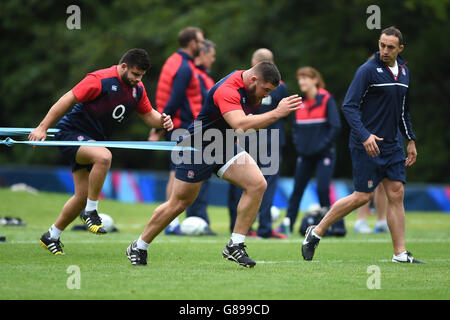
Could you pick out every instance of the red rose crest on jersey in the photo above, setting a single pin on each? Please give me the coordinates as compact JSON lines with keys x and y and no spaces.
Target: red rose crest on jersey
{"x":190,"y":174}
{"x":134,"y":92}
{"x":80,"y":138}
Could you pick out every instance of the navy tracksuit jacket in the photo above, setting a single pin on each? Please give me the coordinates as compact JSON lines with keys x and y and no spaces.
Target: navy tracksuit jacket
{"x":377,"y":102}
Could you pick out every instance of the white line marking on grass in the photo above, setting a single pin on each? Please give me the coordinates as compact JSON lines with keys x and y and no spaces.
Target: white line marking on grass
{"x":299,"y":241}
{"x":202,"y":240}
{"x":281,"y":261}
{"x":385,"y":241}
{"x":131,"y":226}
{"x":338,"y":261}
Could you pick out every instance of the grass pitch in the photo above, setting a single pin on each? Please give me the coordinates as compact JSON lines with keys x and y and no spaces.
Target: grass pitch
{"x":191,"y":268}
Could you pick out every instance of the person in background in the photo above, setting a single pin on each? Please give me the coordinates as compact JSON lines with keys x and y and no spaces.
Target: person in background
{"x":380,"y":204}
{"x":269,"y":103}
{"x":315,"y":129}
{"x":179,"y":95}
{"x":376,"y":108}
{"x":203,"y":64}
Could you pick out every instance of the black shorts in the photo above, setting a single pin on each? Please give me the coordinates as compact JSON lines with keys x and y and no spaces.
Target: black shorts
{"x":196,"y":171}
{"x":70,"y":152}
{"x":369,"y":171}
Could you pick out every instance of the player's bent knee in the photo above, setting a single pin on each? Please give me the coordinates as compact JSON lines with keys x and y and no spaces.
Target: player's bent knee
{"x":104,"y":159}
{"x":263,"y":185}
{"x":258,"y":187}
{"x":396,"y":195}
{"x":81,"y":196}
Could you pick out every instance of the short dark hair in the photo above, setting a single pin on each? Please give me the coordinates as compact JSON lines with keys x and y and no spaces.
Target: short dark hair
{"x":393,"y":31}
{"x":136,"y":57}
{"x":269,"y":72}
{"x":187,"y":34}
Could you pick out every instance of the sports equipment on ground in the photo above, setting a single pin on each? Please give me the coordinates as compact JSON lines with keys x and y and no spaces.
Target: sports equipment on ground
{"x":316,"y":215}
{"x":194,"y":226}
{"x":107,"y":221}
{"x":275,"y":213}
{"x":93,"y":221}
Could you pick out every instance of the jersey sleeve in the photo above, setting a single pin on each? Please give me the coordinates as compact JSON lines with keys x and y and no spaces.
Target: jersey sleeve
{"x":405,"y":120}
{"x":87,"y":89}
{"x":227,"y":99}
{"x":144,"y":106}
{"x":352,"y":102}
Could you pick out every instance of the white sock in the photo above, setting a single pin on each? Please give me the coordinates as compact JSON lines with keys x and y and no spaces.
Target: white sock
{"x":400,"y":255}
{"x":91,"y":205}
{"x":237,"y":238}
{"x":141,"y":244}
{"x":55,"y":233}
{"x":315,"y":235}
{"x":381,"y":222}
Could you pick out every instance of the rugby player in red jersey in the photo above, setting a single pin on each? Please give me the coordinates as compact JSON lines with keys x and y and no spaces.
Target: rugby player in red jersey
{"x":103,"y":99}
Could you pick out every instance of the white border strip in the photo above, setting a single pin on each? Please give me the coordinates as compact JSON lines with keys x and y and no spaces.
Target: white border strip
{"x":200,"y":239}
{"x":228,"y":164}
{"x":388,"y":84}
{"x":308,"y":121}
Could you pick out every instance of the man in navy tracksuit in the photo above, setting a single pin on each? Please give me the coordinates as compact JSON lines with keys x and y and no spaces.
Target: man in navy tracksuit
{"x":315,"y":129}
{"x":376,"y":106}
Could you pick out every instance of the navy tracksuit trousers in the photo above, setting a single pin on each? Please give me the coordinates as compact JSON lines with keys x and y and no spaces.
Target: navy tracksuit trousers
{"x":323,"y":166}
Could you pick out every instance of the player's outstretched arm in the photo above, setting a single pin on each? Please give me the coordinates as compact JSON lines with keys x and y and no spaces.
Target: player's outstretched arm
{"x":288,"y":105}
{"x":55,"y":112}
{"x":238,"y":120}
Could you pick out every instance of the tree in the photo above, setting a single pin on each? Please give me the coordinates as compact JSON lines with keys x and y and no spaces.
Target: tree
{"x":43,"y":59}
